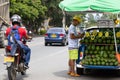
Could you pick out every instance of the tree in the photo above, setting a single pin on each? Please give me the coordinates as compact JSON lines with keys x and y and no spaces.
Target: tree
{"x":53,"y":12}
{"x":29,"y":10}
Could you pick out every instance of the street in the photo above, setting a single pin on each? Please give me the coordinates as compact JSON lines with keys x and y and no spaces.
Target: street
{"x":50,"y":63}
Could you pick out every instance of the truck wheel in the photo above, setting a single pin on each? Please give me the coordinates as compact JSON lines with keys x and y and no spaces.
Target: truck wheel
{"x":80,"y":71}
{"x":87,"y":71}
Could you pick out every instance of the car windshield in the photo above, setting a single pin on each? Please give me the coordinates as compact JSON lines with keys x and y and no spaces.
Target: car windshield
{"x":54,"y":30}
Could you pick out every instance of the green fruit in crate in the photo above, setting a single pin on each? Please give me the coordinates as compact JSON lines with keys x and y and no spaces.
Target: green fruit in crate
{"x":97,"y":48}
{"x":107,"y":64}
{"x":118,"y":34}
{"x":94,"y":60}
{"x":98,"y":59}
{"x":86,"y":41}
{"x":108,"y":41}
{"x":108,"y":52}
{"x":116,"y":63}
{"x":106,"y":48}
{"x":86,"y":52}
{"x":118,"y":41}
{"x":113,"y":52}
{"x":86,"y":57}
{"x":94,"y":32}
{"x":93,"y":47}
{"x":95,"y":41}
{"x":89,"y":56}
{"x":93,"y":56}
{"x":81,"y":41}
{"x":97,"y":55}
{"x":111,"y":47}
{"x":100,"y":34}
{"x":86,"y":63}
{"x":109,"y":60}
{"x":89,"y":60}
{"x":98,"y":63}
{"x":90,"y":52}
{"x":111,"y":64}
{"x":95,"y":52}
{"x":112,"y":37}
{"x":111,"y":33}
{"x":103,"y":37}
{"x":113,"y":42}
{"x":102,"y":63}
{"x":92,"y":37}
{"x":83,"y":61}
{"x":104,"y":41}
{"x":113,"y":60}
{"x":102,"y":59}
{"x":87,"y":34}
{"x":102,"y":48}
{"x":95,"y":63}
{"x":111,"y":56}
{"x":106,"y":60}
{"x":89,"y":47}
{"x":106,"y":34}
{"x":99,"y":40}
{"x":91,"y":63}
{"x":105,"y":55}
{"x":91,"y":41}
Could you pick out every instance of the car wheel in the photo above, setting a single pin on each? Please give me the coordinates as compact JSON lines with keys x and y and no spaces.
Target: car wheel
{"x":51,"y":44}
{"x":64,"y":43}
{"x":45,"y":44}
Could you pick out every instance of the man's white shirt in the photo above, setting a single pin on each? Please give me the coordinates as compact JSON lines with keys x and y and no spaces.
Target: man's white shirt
{"x":73,"y":30}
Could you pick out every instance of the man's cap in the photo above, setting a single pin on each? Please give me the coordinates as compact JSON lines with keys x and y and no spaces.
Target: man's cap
{"x":77,"y":18}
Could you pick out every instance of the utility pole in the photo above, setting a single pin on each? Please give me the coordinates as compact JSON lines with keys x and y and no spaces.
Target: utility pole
{"x":64,"y":19}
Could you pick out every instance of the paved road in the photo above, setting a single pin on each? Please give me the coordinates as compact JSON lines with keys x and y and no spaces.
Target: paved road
{"x":50,"y":63}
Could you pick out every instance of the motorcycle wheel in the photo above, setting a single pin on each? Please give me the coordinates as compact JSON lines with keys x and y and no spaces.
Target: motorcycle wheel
{"x":22,"y":69}
{"x":11,"y":73}
{"x":23,"y":72}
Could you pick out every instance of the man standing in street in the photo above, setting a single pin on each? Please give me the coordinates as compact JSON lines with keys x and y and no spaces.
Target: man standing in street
{"x":73,"y":37}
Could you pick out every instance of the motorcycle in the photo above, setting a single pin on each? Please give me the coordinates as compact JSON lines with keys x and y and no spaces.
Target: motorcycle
{"x":15,"y":64}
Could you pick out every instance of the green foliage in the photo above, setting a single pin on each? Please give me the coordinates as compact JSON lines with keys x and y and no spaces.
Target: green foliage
{"x":42,"y":32}
{"x":33,"y":12}
{"x":53,"y":11}
{"x":27,"y":9}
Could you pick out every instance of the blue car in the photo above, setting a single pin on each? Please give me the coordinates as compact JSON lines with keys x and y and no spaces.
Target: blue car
{"x":56,"y":35}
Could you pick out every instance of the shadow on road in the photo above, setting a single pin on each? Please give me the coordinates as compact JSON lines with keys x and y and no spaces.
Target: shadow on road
{"x":93,"y":75}
{"x":61,"y":73}
{"x":19,"y":77}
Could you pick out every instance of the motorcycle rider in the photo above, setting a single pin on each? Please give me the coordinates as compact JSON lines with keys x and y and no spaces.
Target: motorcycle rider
{"x":16,"y":23}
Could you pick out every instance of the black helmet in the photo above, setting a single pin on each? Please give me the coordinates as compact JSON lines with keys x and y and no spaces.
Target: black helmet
{"x":16,"y":19}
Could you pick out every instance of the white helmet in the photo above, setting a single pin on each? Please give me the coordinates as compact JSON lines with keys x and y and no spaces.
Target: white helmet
{"x":16,"y":19}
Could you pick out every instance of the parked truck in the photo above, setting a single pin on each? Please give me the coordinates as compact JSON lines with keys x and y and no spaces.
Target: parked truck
{"x":4,"y":19}
{"x":99,"y":44}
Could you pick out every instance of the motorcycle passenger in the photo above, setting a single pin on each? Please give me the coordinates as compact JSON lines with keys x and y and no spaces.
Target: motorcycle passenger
{"x":16,"y":26}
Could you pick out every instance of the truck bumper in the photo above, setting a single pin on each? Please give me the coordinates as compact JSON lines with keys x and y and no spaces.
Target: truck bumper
{"x":97,"y":67}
